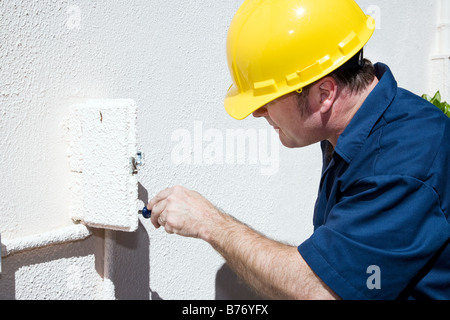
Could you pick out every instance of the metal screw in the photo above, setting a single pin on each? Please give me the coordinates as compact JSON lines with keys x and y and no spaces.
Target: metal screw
{"x":136,"y":162}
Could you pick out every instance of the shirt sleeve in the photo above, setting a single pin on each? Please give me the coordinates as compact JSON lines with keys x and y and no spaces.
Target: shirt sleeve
{"x":383,"y":229}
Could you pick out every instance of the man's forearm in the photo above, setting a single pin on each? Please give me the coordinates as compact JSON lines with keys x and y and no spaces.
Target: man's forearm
{"x":273,"y":269}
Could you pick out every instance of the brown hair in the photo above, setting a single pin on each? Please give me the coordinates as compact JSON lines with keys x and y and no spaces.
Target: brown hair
{"x":355,"y":78}
{"x":356,"y":74}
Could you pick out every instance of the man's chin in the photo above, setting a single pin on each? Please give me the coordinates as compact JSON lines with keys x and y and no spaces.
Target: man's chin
{"x":289,"y":143}
{"x":285,"y":141}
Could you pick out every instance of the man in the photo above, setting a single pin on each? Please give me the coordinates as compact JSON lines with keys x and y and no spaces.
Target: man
{"x":382,"y":215}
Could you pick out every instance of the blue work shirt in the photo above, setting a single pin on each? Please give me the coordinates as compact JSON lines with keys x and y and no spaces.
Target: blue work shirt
{"x":381,"y":220}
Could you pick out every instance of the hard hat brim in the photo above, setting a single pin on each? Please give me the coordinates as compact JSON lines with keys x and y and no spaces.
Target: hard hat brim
{"x":241,"y":105}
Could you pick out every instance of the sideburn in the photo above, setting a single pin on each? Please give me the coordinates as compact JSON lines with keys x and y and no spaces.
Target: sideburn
{"x":303,"y":104}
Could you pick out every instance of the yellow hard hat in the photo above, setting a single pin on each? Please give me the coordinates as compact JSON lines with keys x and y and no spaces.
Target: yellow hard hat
{"x":275,"y":47}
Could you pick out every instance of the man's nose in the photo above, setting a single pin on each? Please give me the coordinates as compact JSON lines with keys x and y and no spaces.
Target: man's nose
{"x":261,"y":112}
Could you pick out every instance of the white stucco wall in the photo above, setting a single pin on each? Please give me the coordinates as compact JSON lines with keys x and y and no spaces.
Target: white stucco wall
{"x":169,"y":57}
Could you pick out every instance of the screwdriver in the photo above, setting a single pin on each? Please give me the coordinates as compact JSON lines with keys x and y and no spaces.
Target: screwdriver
{"x":145,"y":213}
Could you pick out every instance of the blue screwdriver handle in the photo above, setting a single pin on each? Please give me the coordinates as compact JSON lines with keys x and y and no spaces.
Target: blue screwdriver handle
{"x":146,"y":213}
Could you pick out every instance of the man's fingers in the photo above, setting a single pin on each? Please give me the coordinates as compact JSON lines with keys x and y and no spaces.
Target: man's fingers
{"x":159,"y":197}
{"x":157,"y":210}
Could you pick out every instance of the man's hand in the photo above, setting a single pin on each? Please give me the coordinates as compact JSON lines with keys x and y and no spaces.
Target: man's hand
{"x":184,"y":212}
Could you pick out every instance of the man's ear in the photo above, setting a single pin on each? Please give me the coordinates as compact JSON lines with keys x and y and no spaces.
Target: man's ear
{"x":328,"y":89}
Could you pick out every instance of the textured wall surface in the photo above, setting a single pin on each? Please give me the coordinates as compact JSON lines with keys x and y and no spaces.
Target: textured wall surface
{"x":169,"y":57}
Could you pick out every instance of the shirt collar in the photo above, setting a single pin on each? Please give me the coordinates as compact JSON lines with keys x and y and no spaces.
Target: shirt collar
{"x":359,"y":128}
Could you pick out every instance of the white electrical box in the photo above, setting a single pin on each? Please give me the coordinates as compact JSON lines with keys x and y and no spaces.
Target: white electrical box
{"x":102,"y":154}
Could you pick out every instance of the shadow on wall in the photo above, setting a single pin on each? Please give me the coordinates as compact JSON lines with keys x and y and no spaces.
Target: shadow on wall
{"x":230,"y":287}
{"x":131,"y":265}
{"x":142,"y":256}
{"x":131,"y":261}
